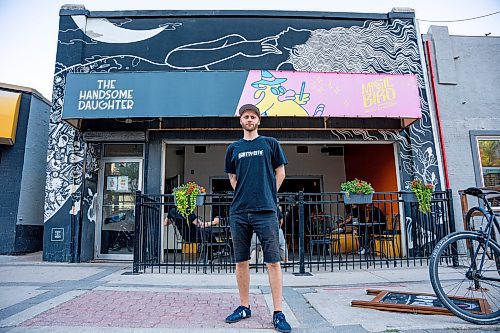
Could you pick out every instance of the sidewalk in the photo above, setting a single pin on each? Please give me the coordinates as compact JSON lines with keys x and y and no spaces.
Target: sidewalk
{"x":95,"y":297}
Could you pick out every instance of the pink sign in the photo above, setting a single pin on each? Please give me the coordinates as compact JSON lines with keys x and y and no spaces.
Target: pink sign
{"x":310,"y":94}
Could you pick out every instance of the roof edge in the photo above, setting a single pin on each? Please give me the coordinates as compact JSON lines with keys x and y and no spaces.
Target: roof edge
{"x":70,"y":9}
{"x":27,"y":90}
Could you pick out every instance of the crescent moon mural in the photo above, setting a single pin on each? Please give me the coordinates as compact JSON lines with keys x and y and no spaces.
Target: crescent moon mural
{"x":102,"y":30}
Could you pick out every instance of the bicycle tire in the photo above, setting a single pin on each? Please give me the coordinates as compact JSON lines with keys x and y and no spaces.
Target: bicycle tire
{"x":450,"y":281}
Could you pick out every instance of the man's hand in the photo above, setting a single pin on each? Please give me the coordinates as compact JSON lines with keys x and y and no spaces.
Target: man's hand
{"x":216,"y":221}
{"x":201,"y":224}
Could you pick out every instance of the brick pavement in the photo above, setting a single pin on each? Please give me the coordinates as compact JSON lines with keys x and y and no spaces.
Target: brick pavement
{"x":148,"y":309}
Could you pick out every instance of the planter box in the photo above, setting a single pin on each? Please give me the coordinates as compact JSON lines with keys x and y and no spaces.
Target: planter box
{"x":355,"y":198}
{"x":408,"y":196}
{"x":200,"y":200}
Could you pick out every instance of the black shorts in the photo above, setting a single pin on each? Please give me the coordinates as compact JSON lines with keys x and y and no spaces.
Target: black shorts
{"x":265,"y":224}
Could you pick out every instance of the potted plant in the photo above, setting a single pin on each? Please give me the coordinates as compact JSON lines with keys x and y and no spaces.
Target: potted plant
{"x":357,"y":191}
{"x":420,"y":192}
{"x":187,"y":197}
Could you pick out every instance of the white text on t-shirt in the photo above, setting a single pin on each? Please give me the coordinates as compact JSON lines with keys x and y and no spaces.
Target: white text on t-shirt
{"x":250,"y":153}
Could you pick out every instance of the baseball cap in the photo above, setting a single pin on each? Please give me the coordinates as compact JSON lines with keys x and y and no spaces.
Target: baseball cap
{"x":249,"y":107}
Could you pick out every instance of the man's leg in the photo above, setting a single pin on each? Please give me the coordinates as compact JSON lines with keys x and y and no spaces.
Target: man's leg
{"x":276,"y":283}
{"x":241,"y":231}
{"x":243,"y":281}
{"x":267,"y":229}
{"x":283,"y":248}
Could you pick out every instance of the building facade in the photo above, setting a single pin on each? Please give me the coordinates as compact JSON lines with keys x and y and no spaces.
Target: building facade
{"x":465,"y":76}
{"x":24,"y":117}
{"x":147,"y":100}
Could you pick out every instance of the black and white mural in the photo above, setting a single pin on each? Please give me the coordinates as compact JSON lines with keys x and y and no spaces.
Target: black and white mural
{"x":227,"y":42}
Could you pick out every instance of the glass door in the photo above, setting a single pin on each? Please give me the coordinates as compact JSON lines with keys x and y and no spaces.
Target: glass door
{"x":120,"y":178}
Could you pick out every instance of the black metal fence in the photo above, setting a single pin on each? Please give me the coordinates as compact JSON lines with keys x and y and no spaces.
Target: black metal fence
{"x":319,"y":231}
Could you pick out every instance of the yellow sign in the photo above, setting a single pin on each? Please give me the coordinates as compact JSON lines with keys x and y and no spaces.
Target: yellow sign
{"x":9,"y":111}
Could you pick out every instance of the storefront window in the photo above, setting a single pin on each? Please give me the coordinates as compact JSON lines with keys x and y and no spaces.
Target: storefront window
{"x":123,"y":150}
{"x":489,"y":155}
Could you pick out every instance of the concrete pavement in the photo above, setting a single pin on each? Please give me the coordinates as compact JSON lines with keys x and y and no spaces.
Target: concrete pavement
{"x":37,"y":296}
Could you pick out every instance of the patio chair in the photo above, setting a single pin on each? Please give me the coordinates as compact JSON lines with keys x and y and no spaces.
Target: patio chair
{"x":216,"y":244}
{"x":319,"y":234}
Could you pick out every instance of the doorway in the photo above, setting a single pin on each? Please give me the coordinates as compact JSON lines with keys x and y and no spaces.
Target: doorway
{"x":119,"y":178}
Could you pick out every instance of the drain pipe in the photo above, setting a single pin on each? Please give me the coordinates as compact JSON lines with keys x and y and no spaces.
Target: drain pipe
{"x":438,"y":115}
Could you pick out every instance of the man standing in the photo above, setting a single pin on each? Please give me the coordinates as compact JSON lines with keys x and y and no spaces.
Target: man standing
{"x":256,"y":168}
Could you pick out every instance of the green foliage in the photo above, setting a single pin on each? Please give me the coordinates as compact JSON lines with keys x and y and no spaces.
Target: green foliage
{"x":489,"y":152}
{"x":423,"y":192}
{"x":357,"y":186}
{"x":185,"y":198}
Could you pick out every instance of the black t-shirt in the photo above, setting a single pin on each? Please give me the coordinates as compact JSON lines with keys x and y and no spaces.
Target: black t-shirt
{"x":377,"y":215}
{"x":187,"y":230}
{"x":357,"y":213}
{"x":253,"y":162}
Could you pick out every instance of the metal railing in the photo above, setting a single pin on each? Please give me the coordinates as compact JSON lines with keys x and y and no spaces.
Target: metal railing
{"x":321,"y":232}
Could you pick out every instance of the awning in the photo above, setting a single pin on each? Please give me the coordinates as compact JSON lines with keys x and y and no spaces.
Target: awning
{"x":9,"y":112}
{"x":155,"y":95}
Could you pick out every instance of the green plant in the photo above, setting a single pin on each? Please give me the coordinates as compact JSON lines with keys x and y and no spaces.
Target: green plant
{"x":357,"y":186}
{"x":423,"y":192}
{"x":185,"y":198}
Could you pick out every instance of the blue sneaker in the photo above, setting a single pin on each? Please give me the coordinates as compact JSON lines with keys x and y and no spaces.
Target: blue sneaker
{"x":280,"y":323}
{"x":241,"y":312}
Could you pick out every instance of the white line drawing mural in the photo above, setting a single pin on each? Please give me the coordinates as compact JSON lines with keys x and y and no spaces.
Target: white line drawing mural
{"x":102,"y":30}
{"x":202,"y":55}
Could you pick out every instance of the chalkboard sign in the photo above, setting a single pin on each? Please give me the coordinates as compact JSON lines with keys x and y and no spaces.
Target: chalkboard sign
{"x":428,"y":300}
{"x":401,"y":301}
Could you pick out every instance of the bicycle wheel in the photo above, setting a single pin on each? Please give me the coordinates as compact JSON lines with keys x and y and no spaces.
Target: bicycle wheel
{"x":460,"y":267}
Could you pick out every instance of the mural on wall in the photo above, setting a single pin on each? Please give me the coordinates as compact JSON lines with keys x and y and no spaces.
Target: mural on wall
{"x":91,"y":179}
{"x":156,"y":44}
{"x":102,"y":30}
{"x":203,"y":55}
{"x":315,"y":94}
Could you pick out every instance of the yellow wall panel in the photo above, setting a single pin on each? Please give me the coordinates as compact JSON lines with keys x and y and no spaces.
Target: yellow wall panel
{"x":9,"y":112}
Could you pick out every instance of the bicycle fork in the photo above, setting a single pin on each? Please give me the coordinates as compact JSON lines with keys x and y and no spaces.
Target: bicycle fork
{"x":474,"y":273}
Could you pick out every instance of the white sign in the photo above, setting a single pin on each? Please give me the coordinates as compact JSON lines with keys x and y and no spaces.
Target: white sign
{"x":123,"y":184}
{"x":57,"y":234}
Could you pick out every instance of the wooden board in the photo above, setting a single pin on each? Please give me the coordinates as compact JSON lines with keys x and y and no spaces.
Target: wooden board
{"x":401,"y":301}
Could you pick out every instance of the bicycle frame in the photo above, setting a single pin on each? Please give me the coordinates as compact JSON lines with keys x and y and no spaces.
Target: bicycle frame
{"x":491,"y":225}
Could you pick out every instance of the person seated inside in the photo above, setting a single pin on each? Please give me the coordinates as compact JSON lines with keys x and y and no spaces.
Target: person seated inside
{"x":255,"y":244}
{"x":193,"y":231}
{"x":376,"y":215}
{"x":355,"y":214}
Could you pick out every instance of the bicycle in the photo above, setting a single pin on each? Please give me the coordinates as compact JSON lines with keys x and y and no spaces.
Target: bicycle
{"x":465,"y":265}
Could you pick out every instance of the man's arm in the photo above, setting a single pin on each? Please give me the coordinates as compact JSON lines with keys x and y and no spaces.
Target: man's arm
{"x":167,"y":221}
{"x":232,"y":180}
{"x":280,"y":176}
{"x":215,"y":221}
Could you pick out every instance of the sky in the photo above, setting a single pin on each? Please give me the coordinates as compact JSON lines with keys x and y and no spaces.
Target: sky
{"x":29,"y":28}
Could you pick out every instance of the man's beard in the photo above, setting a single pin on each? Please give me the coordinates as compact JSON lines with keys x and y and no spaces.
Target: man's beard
{"x":250,"y":128}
